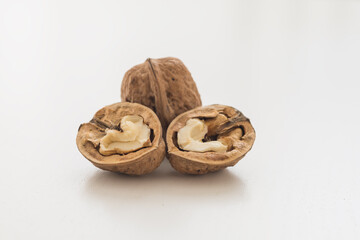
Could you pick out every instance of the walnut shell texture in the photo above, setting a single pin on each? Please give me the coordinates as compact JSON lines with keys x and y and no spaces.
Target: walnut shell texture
{"x":201,"y":163}
{"x":139,"y":162}
{"x":165,"y":85}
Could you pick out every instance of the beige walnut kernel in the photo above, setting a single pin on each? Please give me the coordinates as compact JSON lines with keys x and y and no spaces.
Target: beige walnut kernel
{"x":134,"y":135}
{"x":123,"y":137}
{"x":165,"y":85}
{"x":191,"y":135}
{"x":225,"y":125}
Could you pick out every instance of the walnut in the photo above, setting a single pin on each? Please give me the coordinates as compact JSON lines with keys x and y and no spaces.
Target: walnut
{"x":207,"y":139}
{"x":123,"y":137}
{"x":165,"y":85}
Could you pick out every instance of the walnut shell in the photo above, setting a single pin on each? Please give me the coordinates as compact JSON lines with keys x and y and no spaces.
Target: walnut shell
{"x":225,"y":123}
{"x":139,"y":162}
{"x":165,"y":85}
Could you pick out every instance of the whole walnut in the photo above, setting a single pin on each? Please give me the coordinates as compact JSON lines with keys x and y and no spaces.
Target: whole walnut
{"x":165,"y":85}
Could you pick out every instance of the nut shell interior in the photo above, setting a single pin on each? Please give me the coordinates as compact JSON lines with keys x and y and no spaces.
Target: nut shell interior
{"x":139,"y":162}
{"x":236,"y":130}
{"x":165,"y":85}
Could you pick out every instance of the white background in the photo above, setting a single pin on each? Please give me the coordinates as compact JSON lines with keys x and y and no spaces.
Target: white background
{"x":291,"y":66}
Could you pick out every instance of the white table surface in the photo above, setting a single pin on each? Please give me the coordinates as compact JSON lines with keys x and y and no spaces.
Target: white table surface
{"x":293,"y":67}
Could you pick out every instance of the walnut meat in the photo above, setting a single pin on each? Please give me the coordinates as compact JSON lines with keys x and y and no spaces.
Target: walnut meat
{"x":123,"y":137}
{"x":165,"y":85}
{"x":207,"y":139}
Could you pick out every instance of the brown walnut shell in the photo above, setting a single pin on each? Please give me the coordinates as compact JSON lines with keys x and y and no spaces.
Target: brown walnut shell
{"x":165,"y":85}
{"x":224,"y":123}
{"x":139,"y":162}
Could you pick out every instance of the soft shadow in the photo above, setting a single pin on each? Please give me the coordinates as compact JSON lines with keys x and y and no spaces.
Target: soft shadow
{"x":164,"y":182}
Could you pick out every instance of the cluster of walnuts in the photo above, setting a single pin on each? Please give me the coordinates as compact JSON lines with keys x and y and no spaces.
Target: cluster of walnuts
{"x":160,"y":100}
